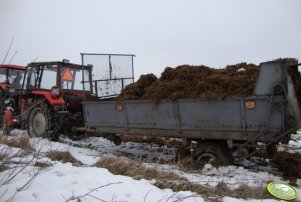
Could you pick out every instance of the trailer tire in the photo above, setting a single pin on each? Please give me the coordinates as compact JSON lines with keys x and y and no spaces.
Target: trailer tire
{"x":214,"y":153}
{"x":40,"y":122}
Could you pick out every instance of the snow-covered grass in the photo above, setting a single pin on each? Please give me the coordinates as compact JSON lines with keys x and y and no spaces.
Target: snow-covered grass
{"x":43,"y":179}
{"x":62,"y":181}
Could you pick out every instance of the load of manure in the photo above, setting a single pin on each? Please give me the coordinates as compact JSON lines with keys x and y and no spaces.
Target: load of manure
{"x":199,"y":82}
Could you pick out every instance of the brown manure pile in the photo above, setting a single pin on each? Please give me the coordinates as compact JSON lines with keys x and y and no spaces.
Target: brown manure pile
{"x":200,"y":82}
{"x":138,"y":89}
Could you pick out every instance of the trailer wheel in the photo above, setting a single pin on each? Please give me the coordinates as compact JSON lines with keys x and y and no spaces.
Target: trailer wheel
{"x":214,"y":153}
{"x":5,"y":128}
{"x":40,"y":122}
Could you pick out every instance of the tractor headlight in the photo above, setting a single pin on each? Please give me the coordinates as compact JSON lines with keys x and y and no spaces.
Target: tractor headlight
{"x":55,"y":92}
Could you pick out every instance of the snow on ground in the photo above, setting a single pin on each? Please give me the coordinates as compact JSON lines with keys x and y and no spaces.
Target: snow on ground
{"x":63,"y":181}
{"x":295,"y":143}
{"x":233,"y":176}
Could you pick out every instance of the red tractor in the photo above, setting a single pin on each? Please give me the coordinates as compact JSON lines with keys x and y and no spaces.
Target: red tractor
{"x":10,"y":90}
{"x":52,"y":95}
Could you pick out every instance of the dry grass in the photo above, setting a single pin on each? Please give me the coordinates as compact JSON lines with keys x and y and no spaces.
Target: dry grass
{"x":6,"y":154}
{"x":134,"y":169}
{"x":63,"y":156}
{"x":3,"y":167}
{"x":187,"y":163}
{"x":252,"y":192}
{"x":170,"y":180}
{"x":3,"y":155}
{"x":42,"y":164}
{"x":20,"y":142}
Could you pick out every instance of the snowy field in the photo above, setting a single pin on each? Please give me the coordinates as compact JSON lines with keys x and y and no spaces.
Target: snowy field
{"x":57,"y":181}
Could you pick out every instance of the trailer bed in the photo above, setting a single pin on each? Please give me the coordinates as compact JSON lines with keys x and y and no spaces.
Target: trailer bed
{"x":271,"y":114}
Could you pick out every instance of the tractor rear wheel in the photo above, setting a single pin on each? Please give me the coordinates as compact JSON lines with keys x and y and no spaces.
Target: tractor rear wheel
{"x":40,"y":122}
{"x":214,"y":153}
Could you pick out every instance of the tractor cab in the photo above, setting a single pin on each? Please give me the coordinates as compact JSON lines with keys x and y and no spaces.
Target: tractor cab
{"x":60,"y":83}
{"x":52,"y":95}
{"x":63,"y":75}
{"x":10,"y":89}
{"x":11,"y":77}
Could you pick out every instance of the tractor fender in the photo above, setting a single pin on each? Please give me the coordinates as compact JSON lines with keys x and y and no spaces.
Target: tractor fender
{"x":9,"y":117}
{"x":51,"y":100}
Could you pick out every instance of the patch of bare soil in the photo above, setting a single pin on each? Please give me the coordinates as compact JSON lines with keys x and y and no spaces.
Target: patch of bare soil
{"x":289,"y":164}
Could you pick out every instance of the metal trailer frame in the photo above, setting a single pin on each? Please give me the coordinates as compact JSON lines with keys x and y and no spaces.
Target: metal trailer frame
{"x":122,"y":79}
{"x":270,"y":115}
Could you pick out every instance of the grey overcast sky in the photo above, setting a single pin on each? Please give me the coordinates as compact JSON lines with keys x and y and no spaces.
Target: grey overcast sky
{"x":159,"y":32}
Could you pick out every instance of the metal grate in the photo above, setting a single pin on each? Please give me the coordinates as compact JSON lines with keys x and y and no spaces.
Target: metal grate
{"x":111,"y":72}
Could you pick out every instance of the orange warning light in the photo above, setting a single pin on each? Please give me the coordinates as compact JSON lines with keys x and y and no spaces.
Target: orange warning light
{"x":250,"y":105}
{"x":118,"y":107}
{"x":67,"y":75}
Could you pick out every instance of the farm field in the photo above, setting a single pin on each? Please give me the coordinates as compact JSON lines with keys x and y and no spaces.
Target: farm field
{"x":94,"y":169}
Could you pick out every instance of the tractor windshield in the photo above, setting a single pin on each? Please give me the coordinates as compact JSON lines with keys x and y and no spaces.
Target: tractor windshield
{"x":46,"y":73}
{"x":43,"y":76}
{"x":3,"y":78}
{"x":47,"y":76}
{"x":48,"y":79}
{"x":12,"y":77}
{"x":72,"y":78}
